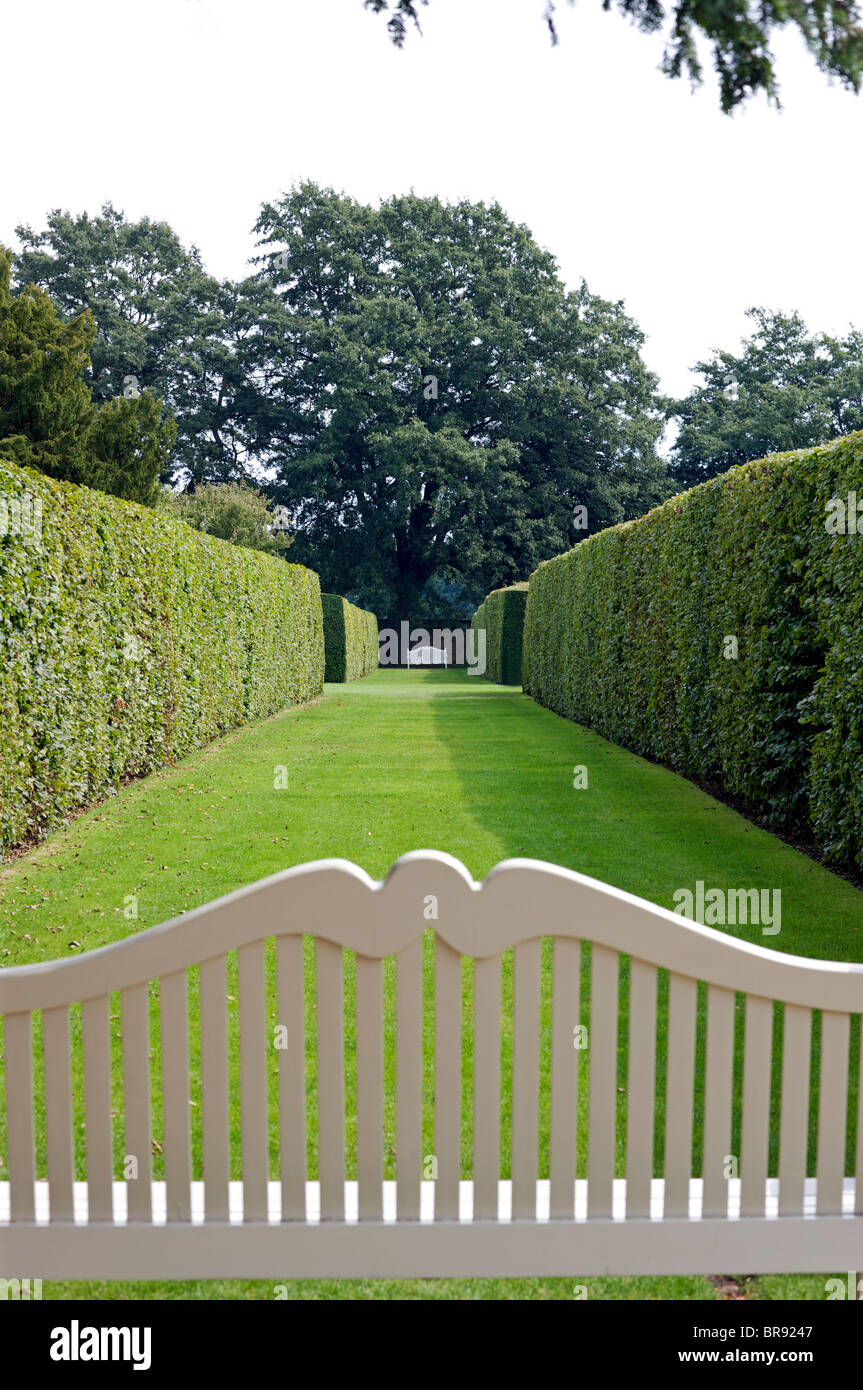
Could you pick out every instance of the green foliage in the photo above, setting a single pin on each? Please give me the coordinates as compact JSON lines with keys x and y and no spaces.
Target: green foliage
{"x":740,"y":37}
{"x":126,"y":640}
{"x":160,"y":318}
{"x":415,"y":378}
{"x":435,"y":404}
{"x":501,"y":614}
{"x":627,"y":634}
{"x":45,"y":407}
{"x":350,"y":639}
{"x":785,"y":390}
{"x":234,"y":512}
{"x":127,"y":445}
{"x":47,"y":418}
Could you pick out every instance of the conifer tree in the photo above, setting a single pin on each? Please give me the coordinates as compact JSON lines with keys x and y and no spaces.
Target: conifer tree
{"x":48,"y":420}
{"x":45,"y":405}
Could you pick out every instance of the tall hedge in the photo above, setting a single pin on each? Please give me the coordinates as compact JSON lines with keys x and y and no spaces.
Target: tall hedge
{"x":627,"y":633}
{"x":126,"y":640}
{"x":350,"y":639}
{"x":501,"y":613}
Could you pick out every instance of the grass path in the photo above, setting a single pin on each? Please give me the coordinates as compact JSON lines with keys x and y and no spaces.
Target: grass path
{"x":400,"y":761}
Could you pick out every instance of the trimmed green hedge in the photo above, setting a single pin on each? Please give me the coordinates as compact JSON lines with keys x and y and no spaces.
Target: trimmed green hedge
{"x":350,"y":639}
{"x":126,"y":640}
{"x":501,"y":613}
{"x":627,"y":634}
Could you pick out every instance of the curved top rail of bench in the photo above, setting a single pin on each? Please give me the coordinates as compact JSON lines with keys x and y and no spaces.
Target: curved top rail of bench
{"x":520,"y":900}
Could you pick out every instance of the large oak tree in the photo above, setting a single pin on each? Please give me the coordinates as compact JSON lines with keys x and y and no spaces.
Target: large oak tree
{"x":412,"y":381}
{"x":436,"y":406}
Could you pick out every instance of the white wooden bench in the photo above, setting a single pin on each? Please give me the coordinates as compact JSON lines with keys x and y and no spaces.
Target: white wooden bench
{"x":187,"y":1227}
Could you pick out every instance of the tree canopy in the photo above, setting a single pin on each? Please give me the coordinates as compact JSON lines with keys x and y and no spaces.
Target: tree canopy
{"x":413,"y":382}
{"x":159,"y":318}
{"x":233,"y":511}
{"x":785,"y":389}
{"x":434,"y":404}
{"x":48,"y":419}
{"x":738,"y":35}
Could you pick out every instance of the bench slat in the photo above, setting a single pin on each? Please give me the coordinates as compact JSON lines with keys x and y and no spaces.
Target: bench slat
{"x":832,"y":1111}
{"x":254,"y":1042}
{"x":640,"y":1086}
{"x":680,"y":1077}
{"x":370,"y":1088}
{"x":447,"y":1080}
{"x":603,"y":1079}
{"x":97,"y":1108}
{"x":566,"y":993}
{"x":794,"y":1117}
{"x":525,"y":1077}
{"x":175,"y":1094}
{"x":292,"y":1078}
{"x":214,"y":1087}
{"x":409,"y":1079}
{"x":137,"y":1136}
{"x":58,"y":1111}
{"x":858,"y":1162}
{"x":329,"y":974}
{"x":718,"y":1080}
{"x":486,"y":1087}
{"x":17,"y":1032}
{"x":755,"y":1133}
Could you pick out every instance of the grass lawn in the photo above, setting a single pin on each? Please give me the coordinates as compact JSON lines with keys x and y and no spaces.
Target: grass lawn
{"x":400,"y":761}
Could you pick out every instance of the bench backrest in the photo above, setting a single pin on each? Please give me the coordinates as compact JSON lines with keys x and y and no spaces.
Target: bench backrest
{"x":293,"y":1059}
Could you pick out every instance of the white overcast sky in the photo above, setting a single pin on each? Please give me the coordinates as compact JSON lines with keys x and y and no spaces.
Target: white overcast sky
{"x":196,"y":111}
